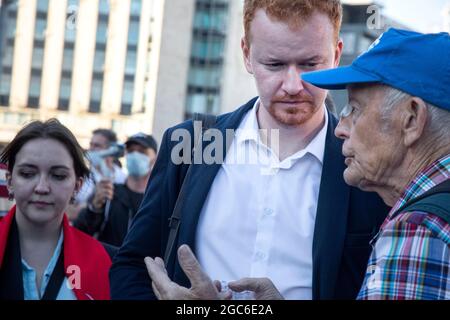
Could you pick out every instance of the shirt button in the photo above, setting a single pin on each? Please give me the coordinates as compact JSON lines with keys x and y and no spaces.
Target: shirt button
{"x":268,"y":212}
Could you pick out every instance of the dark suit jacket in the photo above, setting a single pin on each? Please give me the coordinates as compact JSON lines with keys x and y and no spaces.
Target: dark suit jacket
{"x":346,"y":221}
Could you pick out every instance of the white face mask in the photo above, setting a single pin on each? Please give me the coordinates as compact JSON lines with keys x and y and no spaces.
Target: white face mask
{"x":138,"y":164}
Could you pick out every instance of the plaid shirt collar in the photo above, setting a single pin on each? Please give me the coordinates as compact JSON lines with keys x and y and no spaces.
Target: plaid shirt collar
{"x":409,"y":261}
{"x":434,"y":174}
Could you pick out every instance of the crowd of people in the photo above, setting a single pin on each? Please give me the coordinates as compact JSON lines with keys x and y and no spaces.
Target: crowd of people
{"x":349,"y":207}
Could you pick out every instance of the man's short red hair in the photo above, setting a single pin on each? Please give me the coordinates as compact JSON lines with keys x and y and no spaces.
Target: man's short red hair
{"x":294,"y":12}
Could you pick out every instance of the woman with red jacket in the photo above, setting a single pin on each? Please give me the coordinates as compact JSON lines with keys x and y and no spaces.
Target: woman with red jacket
{"x":41,"y":256}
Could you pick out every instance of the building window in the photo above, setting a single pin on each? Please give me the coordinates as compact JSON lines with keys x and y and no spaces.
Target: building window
{"x":99,"y":57}
{"x":64,"y":93}
{"x":8,"y":18}
{"x":5,"y":83}
{"x":41,"y":25}
{"x":205,"y":21}
{"x":133,"y":32}
{"x":65,"y":88}
{"x":42,"y":6}
{"x":202,"y":103}
{"x":38,"y":54}
{"x":103,"y":7}
{"x":102,"y":31}
{"x":136,"y":7}
{"x":208,"y":45}
{"x":131,"y":59}
{"x":68,"y":57}
{"x":8,"y":55}
{"x":130,"y":65}
{"x":127,"y":97}
{"x":208,"y":48}
{"x":205,"y":77}
{"x":99,"y":60}
{"x":96,"y":94}
{"x":35,"y":89}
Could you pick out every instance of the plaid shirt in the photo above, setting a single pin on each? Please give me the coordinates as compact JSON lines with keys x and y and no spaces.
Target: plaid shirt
{"x":411,"y":253}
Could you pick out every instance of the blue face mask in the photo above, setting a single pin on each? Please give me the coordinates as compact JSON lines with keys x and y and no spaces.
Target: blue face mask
{"x":138,"y":164}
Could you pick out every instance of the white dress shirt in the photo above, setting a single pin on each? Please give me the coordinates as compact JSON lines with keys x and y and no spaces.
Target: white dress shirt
{"x":258,"y":218}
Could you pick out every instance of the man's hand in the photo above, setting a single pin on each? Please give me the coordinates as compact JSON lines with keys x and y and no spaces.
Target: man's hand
{"x":104,"y":190}
{"x":202,"y":288}
{"x":263,"y":288}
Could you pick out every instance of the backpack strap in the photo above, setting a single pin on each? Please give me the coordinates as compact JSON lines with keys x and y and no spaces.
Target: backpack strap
{"x":56,"y":279}
{"x":208,"y":121}
{"x":435,"y":201}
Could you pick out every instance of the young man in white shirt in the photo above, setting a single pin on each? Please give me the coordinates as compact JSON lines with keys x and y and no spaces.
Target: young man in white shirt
{"x":289,"y":216}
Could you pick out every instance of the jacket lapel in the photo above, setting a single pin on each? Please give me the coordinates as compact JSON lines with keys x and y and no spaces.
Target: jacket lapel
{"x":331,"y":218}
{"x":198,"y":187}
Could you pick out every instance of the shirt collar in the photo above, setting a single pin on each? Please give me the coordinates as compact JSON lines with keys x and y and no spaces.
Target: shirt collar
{"x":248,"y":131}
{"x":429,"y":177}
{"x":51,"y":265}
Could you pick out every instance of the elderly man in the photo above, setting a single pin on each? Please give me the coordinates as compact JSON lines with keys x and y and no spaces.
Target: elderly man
{"x":396,"y":129}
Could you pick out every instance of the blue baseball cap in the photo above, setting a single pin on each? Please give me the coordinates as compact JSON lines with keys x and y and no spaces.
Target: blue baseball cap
{"x":415,"y":63}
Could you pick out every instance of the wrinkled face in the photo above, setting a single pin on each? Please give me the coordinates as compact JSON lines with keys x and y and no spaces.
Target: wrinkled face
{"x":43,"y":181}
{"x":279,"y":53}
{"x":372,"y":148}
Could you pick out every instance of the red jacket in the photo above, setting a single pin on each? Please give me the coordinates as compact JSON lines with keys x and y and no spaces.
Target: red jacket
{"x":81,"y":253}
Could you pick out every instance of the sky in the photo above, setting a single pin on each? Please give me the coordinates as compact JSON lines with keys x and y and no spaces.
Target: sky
{"x":420,"y":15}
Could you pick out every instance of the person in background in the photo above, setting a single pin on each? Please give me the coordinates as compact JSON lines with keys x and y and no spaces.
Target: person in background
{"x":103,"y":177}
{"x":41,"y":256}
{"x":110,"y":223}
{"x":4,"y":203}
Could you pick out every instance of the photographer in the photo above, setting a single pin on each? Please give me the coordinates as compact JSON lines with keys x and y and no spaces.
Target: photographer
{"x":105,"y":171}
{"x":109,"y":220}
{"x":101,"y":140}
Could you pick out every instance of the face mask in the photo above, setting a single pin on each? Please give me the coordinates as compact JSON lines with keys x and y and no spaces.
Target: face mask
{"x":138,"y":164}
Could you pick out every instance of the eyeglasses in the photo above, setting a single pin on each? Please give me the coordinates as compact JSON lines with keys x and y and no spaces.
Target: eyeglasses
{"x":347,"y":111}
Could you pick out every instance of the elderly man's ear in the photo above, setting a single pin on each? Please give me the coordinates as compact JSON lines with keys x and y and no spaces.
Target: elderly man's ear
{"x":414,"y":119}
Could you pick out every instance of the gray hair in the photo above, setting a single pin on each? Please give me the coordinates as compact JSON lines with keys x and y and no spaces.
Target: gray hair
{"x":438,"y":119}
{"x":438,"y":122}
{"x":392,"y":98}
